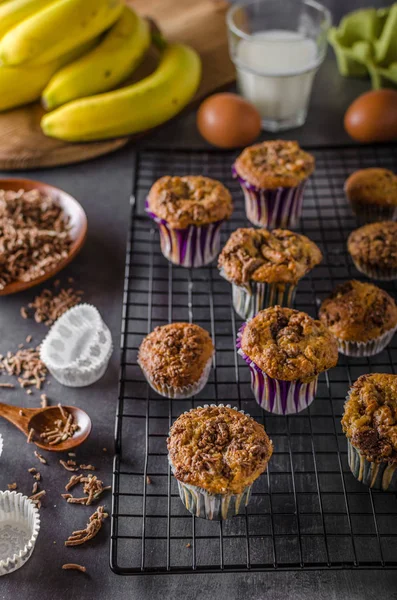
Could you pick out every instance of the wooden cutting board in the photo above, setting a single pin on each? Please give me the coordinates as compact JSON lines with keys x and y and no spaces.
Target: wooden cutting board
{"x":200,"y":23}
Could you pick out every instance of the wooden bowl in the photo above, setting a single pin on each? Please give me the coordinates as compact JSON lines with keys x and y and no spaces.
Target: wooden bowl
{"x":77,"y":220}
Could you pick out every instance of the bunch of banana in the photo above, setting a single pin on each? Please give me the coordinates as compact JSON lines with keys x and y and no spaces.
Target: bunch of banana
{"x":105,"y":67}
{"x":21,"y":85}
{"x":56,"y":29}
{"x":134,"y":108}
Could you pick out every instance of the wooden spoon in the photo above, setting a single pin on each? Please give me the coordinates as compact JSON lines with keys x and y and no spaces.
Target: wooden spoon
{"x":42,"y":418}
{"x":77,"y":221}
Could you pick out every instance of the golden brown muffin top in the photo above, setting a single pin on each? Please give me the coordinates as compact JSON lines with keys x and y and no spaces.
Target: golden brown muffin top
{"x":375,"y":244}
{"x":289,"y":345}
{"x":370,"y":417}
{"x":358,"y":312}
{"x":189,"y":200}
{"x":219,"y":449}
{"x":175,"y":355}
{"x":372,"y":186}
{"x":274,"y":164}
{"x":268,"y":256}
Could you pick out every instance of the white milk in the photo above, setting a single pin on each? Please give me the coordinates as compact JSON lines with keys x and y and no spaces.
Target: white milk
{"x":275,"y":71}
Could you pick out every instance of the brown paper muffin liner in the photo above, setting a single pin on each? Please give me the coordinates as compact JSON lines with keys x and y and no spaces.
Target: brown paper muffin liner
{"x":370,"y":348}
{"x":179,"y":393}
{"x":378,"y":476}
{"x":375,"y":272}
{"x":213,"y":507}
{"x":371,"y":213}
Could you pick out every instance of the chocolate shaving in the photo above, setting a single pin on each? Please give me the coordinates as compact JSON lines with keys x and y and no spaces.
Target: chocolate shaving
{"x":12,"y":486}
{"x":40,"y":457}
{"x":74,"y":567}
{"x":49,"y":306}
{"x":92,"y":528}
{"x":61,"y":430}
{"x":26,"y":365}
{"x":67,"y":467}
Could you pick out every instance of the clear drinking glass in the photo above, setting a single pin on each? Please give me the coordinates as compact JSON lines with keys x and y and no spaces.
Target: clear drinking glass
{"x":277,"y":47}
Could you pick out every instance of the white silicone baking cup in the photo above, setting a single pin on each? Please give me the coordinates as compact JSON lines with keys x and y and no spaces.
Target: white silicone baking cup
{"x":183,"y":392}
{"x":363,"y":349}
{"x":19,"y":528}
{"x":78,"y":347}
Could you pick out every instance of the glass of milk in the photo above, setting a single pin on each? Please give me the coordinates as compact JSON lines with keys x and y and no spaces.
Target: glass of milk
{"x":277,"y":47}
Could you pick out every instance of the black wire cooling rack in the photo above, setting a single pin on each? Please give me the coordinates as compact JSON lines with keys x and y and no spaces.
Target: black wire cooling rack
{"x":307,"y":511}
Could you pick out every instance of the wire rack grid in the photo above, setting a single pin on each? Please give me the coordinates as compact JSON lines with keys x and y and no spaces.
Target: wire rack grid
{"x":307,"y":511}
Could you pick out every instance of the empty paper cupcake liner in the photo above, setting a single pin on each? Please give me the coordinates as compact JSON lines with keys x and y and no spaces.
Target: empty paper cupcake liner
{"x":370,"y":213}
{"x":250,"y":299}
{"x":370,"y":348}
{"x":182,"y":392}
{"x":213,"y":507}
{"x":275,"y":395}
{"x":272,"y":208}
{"x":78,"y":347}
{"x":190,"y":247}
{"x":378,"y":476}
{"x":375,"y":272}
{"x":19,"y":528}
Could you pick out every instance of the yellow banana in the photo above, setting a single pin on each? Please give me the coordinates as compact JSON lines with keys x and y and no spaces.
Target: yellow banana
{"x":15,"y":11}
{"x":21,"y":85}
{"x":137,"y":107}
{"x":56,"y":29}
{"x":105,"y":67}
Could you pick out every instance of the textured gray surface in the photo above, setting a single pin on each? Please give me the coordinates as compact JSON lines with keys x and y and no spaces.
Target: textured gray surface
{"x":103,"y":187}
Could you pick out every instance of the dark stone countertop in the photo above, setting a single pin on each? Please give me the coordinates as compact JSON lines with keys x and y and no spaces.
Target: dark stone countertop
{"x":103,"y":187}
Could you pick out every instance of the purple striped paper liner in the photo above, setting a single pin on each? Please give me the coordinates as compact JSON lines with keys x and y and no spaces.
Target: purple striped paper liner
{"x":272,"y":208}
{"x":378,"y":476}
{"x":275,"y":395}
{"x":190,"y":247}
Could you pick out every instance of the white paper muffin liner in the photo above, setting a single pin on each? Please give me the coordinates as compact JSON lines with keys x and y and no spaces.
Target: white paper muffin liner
{"x":370,"y":348}
{"x":375,"y":272}
{"x":182,"y":392}
{"x":19,"y":528}
{"x":78,"y":347}
{"x":213,"y":507}
{"x":249,"y":300}
{"x":378,"y":476}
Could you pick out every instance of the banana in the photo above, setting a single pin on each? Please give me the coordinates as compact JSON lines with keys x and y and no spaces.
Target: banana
{"x":137,"y":107}
{"x":105,"y":67}
{"x":56,"y":29}
{"x":21,"y":85}
{"x":15,"y":11}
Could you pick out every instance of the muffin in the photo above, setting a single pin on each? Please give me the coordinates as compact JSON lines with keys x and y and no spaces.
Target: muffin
{"x":273,"y":176}
{"x":216,"y":453}
{"x":189,"y":212}
{"x":361,"y":316}
{"x":370,"y":424}
{"x":372,"y":194}
{"x":285,"y":350}
{"x":265,"y":267}
{"x":176,"y":359}
{"x":373,"y":249}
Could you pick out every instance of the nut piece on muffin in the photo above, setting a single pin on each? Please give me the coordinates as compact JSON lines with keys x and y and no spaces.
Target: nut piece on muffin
{"x":373,"y":194}
{"x":370,"y":424}
{"x":272,"y":176}
{"x":176,"y":359}
{"x":216,"y":453}
{"x":264,"y":267}
{"x":286,"y":350}
{"x":189,"y":211}
{"x":362,"y":317}
{"x":373,"y":249}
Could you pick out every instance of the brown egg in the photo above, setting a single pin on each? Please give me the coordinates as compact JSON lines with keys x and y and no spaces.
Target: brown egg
{"x":372,"y":117}
{"x":228,"y":121}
